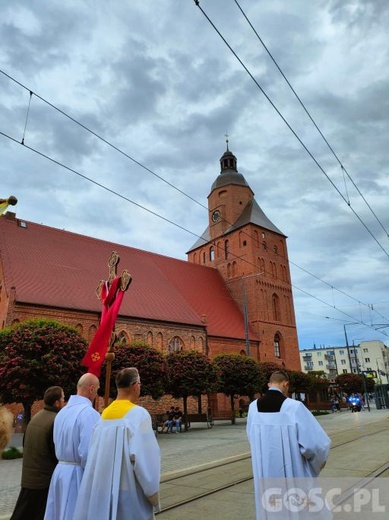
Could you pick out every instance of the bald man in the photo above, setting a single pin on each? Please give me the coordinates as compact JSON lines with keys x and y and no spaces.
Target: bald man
{"x":73,"y":428}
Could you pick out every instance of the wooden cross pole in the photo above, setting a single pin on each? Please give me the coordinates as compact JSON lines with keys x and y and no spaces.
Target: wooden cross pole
{"x":125,"y":280}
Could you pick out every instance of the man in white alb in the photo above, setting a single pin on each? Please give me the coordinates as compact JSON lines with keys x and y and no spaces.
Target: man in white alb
{"x":287,"y":443}
{"x":121,"y":479}
{"x":73,"y":426}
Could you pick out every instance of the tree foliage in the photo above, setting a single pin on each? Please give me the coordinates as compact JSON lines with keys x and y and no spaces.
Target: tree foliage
{"x":353,"y":383}
{"x":150,"y":363}
{"x":190,"y":373}
{"x":299,"y":381}
{"x":37,"y":354}
{"x":238,"y":375}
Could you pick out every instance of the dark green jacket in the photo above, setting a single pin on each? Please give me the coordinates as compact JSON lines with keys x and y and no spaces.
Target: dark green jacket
{"x":39,"y":458}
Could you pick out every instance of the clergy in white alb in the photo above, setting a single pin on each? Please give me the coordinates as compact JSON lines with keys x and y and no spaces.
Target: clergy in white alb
{"x":73,"y":428}
{"x":121,"y":478}
{"x":286,"y":441}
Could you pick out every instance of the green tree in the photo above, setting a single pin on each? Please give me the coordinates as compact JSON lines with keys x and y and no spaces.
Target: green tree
{"x":353,"y":383}
{"x":190,"y":373}
{"x":238,"y":375}
{"x":319,"y":385}
{"x":37,"y":354}
{"x":150,"y":363}
{"x":299,"y":382}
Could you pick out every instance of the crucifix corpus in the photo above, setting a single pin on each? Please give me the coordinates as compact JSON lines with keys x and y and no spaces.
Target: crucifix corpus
{"x":111,"y":293}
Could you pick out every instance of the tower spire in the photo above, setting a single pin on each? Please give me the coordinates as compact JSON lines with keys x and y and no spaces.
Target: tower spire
{"x":227,"y":136}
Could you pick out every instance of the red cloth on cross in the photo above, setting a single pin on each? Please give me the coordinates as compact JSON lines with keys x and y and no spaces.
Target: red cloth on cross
{"x":112,"y":300}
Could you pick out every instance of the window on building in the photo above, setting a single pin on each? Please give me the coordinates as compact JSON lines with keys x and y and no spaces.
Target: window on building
{"x":319,"y":354}
{"x":342,"y":361}
{"x":277,"y":351}
{"x":365,"y":350}
{"x":204,"y":257}
{"x":264,"y":246}
{"x":226,"y":249}
{"x":123,"y":338}
{"x":345,"y":371}
{"x":320,"y":363}
{"x":275,"y":250}
{"x":212,"y":254}
{"x":341,"y":352}
{"x":367,"y":360}
{"x":176,"y":344}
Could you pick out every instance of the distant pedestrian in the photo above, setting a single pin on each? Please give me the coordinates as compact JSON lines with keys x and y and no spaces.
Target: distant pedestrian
{"x":286,"y":441}
{"x":121,"y":479}
{"x":72,"y":433}
{"x":39,"y":458}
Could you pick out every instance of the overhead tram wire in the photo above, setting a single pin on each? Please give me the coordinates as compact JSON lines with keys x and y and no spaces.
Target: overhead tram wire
{"x":31,"y":93}
{"x":71,"y":118}
{"x":197,"y":2}
{"x":336,"y":289}
{"x":72,"y":170}
{"x":311,"y":118}
{"x":95,"y":134}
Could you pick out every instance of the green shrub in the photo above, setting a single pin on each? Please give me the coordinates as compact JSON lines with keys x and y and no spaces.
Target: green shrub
{"x":12,"y":453}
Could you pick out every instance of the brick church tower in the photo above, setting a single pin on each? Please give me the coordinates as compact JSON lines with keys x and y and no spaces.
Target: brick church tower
{"x":250,"y":253}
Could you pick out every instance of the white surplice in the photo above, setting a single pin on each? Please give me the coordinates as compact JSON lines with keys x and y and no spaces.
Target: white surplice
{"x":288,"y":449}
{"x":73,"y":427}
{"x":122,"y":474}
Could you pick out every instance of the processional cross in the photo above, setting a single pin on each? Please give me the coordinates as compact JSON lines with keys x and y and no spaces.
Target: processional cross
{"x":111,"y":293}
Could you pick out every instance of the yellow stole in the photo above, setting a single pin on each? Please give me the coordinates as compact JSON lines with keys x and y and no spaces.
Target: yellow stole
{"x":117,"y":409}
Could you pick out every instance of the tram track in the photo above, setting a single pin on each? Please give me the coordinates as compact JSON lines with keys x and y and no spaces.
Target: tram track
{"x":221,"y":475}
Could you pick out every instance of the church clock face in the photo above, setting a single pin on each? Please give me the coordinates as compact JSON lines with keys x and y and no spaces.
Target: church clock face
{"x":216,"y":216}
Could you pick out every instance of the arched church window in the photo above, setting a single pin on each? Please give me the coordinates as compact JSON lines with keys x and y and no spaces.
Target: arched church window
{"x":176,"y":344}
{"x":91,"y":332}
{"x":228,"y":270}
{"x":150,"y":338}
{"x":123,"y":338}
{"x":79,"y":328}
{"x":234,"y":269}
{"x":204,"y":258}
{"x":226,"y":245}
{"x":264,"y":246}
{"x":277,"y":346}
{"x":160,"y":341}
{"x":212,"y":254}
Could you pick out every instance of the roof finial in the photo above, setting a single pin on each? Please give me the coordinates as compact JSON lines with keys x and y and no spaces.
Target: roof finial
{"x":226,"y":136}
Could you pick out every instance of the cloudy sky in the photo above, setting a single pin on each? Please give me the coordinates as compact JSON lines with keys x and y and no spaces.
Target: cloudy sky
{"x":155,"y":80}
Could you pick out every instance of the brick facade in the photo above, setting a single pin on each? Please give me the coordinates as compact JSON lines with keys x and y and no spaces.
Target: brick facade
{"x":253,"y":261}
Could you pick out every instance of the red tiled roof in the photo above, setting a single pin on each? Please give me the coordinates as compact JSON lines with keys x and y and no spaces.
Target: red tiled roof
{"x":56,"y":268}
